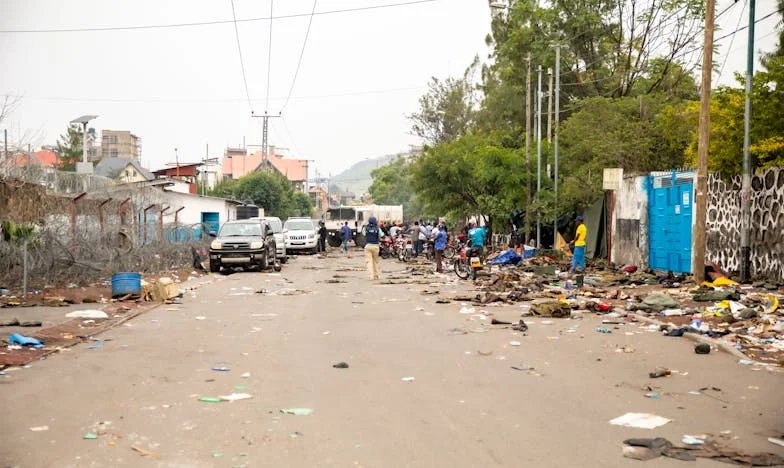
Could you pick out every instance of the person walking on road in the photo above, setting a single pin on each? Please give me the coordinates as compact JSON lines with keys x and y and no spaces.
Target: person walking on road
{"x":578,"y":256}
{"x":440,"y":245}
{"x":373,"y":235}
{"x":322,"y":237}
{"x":345,"y":235}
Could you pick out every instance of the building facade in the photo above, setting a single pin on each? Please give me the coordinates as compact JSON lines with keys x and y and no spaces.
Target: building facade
{"x":120,"y":144}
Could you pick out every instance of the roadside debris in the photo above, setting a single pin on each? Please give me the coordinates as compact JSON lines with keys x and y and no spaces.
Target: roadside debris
{"x":340,"y":365}
{"x":660,"y":372}
{"x":88,"y":314}
{"x":297,"y":411}
{"x":145,"y":453}
{"x":709,"y":448}
{"x":17,"y":339}
{"x":640,"y":420}
{"x":408,"y":379}
{"x":15,"y":322}
{"x":702,"y":348}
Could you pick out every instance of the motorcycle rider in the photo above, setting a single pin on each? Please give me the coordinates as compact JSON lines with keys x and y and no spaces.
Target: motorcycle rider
{"x":478,"y":236}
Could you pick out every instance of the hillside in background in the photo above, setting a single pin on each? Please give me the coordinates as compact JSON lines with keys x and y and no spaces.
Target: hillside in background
{"x":357,"y":178}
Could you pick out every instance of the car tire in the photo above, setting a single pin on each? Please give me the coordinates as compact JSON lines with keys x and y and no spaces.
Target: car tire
{"x":263,"y":262}
{"x":214,"y":267}
{"x":284,"y":259}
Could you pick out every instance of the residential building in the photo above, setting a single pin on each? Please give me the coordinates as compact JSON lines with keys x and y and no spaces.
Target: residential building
{"x":187,"y":173}
{"x":318,"y":196}
{"x":123,"y":170}
{"x":120,"y":144}
{"x":236,"y":163}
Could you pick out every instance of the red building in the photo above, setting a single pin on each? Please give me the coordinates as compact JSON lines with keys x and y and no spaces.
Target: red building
{"x":185,"y":172}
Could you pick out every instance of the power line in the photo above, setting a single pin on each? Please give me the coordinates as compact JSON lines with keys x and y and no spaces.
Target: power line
{"x":242,"y":62}
{"x":301,"y":54}
{"x":269,"y":58}
{"x":729,"y":48}
{"x":211,"y":23}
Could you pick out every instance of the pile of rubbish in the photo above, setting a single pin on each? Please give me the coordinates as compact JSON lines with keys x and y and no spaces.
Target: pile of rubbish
{"x":746,"y":317}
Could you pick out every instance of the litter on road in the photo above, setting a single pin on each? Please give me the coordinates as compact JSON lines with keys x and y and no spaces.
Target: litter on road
{"x":640,"y":420}
{"x":297,"y":411}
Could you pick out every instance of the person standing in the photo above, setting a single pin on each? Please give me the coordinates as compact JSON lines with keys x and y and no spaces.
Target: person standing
{"x":373,"y":234}
{"x":578,"y":256}
{"x":345,"y":235}
{"x":414,"y":233}
{"x":440,"y":245}
{"x":322,"y":237}
{"x":422,"y":237}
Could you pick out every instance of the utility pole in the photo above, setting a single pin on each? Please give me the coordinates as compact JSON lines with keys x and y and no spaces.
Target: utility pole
{"x":5,"y":144}
{"x":549,"y":105}
{"x":264,"y":132}
{"x":745,"y":191}
{"x":555,"y":141}
{"x":700,"y":208}
{"x":528,"y":147}
{"x":538,"y":154}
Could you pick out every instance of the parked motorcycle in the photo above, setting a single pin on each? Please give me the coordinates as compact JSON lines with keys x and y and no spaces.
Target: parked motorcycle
{"x":385,"y":247}
{"x":469,"y":262}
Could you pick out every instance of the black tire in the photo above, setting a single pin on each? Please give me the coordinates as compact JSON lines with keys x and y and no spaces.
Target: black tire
{"x":284,"y":259}
{"x":384,"y":253}
{"x":334,"y":240}
{"x":449,"y":252}
{"x":264,"y":261}
{"x":214,"y":267}
{"x":406,"y":255}
{"x":462,"y":269}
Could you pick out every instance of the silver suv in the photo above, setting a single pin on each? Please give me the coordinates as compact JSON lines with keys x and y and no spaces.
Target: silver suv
{"x":243,"y":243}
{"x":280,"y":237}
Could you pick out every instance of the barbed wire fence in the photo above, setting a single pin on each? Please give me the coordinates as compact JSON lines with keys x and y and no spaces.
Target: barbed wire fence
{"x":84,"y":227}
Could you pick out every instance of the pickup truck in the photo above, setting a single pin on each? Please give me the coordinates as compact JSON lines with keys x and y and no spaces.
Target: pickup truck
{"x":247,"y":242}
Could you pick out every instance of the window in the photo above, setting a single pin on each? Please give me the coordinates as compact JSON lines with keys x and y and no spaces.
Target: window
{"x":113,"y":153}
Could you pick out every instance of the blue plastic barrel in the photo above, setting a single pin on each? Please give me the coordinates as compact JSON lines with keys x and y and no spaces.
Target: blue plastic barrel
{"x":126,"y":283}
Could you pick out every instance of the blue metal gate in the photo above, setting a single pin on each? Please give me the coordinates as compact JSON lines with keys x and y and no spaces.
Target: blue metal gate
{"x":670,"y":200}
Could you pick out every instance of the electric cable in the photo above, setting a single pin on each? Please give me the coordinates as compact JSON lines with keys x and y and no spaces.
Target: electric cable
{"x":242,"y":62}
{"x":301,"y":54}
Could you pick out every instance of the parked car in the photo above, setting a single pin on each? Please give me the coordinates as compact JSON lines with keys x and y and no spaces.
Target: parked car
{"x":280,"y":237}
{"x":245,"y":242}
{"x":300,"y":234}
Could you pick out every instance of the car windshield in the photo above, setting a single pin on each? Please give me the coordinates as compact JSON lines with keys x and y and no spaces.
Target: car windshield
{"x":240,"y":229}
{"x":299,"y":225}
{"x":276,"y":225}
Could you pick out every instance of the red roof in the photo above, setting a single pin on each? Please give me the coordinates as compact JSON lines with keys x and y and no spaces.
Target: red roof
{"x":293,"y":169}
{"x":39,"y":158}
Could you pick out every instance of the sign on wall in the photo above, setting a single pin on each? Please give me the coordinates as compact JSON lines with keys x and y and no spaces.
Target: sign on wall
{"x":612,"y":178}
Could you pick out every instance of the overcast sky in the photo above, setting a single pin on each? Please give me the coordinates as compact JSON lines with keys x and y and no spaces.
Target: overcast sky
{"x":362,"y":71}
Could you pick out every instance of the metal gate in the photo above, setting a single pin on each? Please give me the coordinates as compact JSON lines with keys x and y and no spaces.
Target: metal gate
{"x":670,"y":201}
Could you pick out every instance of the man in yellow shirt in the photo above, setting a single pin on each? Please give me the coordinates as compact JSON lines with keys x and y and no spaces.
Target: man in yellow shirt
{"x":578,"y":257}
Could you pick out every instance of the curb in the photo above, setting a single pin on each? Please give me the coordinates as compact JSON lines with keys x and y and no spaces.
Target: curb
{"x":722,"y":345}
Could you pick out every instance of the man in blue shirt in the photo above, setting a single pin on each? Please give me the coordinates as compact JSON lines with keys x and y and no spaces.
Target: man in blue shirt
{"x":345,"y":235}
{"x":477,"y":235}
{"x":440,"y":245}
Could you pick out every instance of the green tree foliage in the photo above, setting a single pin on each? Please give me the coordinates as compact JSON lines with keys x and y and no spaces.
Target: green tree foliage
{"x":392,"y":186}
{"x":445,"y":111}
{"x":69,"y":148}
{"x":268,"y":190}
{"x":474,"y":174}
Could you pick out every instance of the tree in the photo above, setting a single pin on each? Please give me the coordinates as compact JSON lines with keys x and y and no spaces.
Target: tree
{"x":302,"y":205}
{"x":69,"y":148}
{"x":445,"y":111}
{"x":268,"y":190}
{"x":392,"y":186}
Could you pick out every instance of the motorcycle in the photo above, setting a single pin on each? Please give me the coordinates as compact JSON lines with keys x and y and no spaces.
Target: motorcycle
{"x":469,"y":262}
{"x":385,"y":248}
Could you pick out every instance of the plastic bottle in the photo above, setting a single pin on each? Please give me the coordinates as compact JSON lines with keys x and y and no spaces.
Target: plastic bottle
{"x":603,"y":330}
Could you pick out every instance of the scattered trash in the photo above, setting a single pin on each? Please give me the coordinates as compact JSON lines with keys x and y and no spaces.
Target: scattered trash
{"x":407,"y":379}
{"x":298,"y":411}
{"x":145,"y":453}
{"x":514,"y":343}
{"x":88,"y":314}
{"x":245,"y":375}
{"x":235,"y":396}
{"x":648,"y":449}
{"x":603,"y":330}
{"x":21,"y":340}
{"x":693,"y":440}
{"x":95,"y":346}
{"x":90,"y":436}
{"x":200,"y":317}
{"x":659,"y":372}
{"x":325,"y":333}
{"x":776,"y":441}
{"x":340,"y":365}
{"x":653,"y":395}
{"x":210,"y":399}
{"x":221,"y":369}
{"x":521,"y":326}
{"x":640,"y":420}
{"x":702,"y":348}
{"x":39,"y":428}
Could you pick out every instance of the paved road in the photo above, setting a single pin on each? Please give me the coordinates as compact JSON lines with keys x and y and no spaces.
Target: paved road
{"x":464,"y":408}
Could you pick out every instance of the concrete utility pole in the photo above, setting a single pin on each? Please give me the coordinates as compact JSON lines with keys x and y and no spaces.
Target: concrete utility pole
{"x":528,"y":147}
{"x":538,"y":153}
{"x":264,"y":132}
{"x":703,"y":142}
{"x":549,"y":105}
{"x":555,"y":142}
{"x":745,"y":191}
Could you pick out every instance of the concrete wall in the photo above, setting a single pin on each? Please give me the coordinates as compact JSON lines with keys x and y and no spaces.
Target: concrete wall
{"x":767,"y":224}
{"x":630,"y":223}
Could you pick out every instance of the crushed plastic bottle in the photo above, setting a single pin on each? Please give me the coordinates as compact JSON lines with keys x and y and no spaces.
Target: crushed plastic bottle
{"x":603,"y":330}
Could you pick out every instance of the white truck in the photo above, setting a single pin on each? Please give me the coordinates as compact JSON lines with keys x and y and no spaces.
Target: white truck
{"x":357,"y":216}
